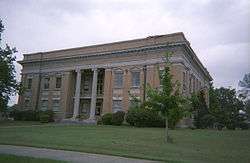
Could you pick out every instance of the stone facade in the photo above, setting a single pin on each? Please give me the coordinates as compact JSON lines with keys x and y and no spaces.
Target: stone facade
{"x":93,"y":80}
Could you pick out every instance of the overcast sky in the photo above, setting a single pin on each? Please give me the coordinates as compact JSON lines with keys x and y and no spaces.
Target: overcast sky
{"x":218,"y":30}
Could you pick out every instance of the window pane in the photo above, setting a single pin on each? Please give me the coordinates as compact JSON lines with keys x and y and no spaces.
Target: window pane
{"x":56,"y":105}
{"x":58,"y":82}
{"x":161,"y":76}
{"x":118,"y":79}
{"x":29,"y":83}
{"x":135,"y":79}
{"x":117,"y":105}
{"x":184,"y":81}
{"x":44,"y":105}
{"x":46,"y":83}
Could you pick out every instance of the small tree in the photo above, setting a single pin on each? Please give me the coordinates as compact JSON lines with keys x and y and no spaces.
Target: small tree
{"x":167,"y":101}
{"x":8,"y":83}
{"x":202,"y":117}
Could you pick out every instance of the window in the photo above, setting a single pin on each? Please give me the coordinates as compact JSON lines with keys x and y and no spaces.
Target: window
{"x":184,"y":81}
{"x":58,"y":82}
{"x":190,"y":84}
{"x":27,"y":102}
{"x":135,"y":79}
{"x":86,"y":84}
{"x":161,"y":76}
{"x":100,"y":83}
{"x":29,"y":83}
{"x":46,"y":82}
{"x":56,"y":105}
{"x":98,"y":108}
{"x":134,"y":103}
{"x":117,"y":105}
{"x":118,"y":79}
{"x":44,"y":105}
{"x":193,"y":84}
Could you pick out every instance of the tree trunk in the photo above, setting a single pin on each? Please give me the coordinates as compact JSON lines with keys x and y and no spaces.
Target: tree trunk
{"x":166,"y":131}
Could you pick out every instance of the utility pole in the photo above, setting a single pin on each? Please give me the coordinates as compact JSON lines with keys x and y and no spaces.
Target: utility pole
{"x":145,"y":82}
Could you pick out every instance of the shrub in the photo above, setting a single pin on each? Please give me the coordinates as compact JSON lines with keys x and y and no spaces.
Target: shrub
{"x":144,"y":117}
{"x":208,"y":121}
{"x":25,"y":115}
{"x":107,"y":118}
{"x":31,"y":115}
{"x":44,"y":118}
{"x":117,"y":118}
{"x":243,"y":126}
{"x":49,"y":114}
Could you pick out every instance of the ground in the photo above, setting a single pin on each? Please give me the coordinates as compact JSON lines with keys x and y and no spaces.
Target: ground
{"x":147,"y":143}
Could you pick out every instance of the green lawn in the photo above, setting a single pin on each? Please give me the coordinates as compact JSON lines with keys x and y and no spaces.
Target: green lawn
{"x":148,"y":143}
{"x":22,"y":159}
{"x":19,"y":123}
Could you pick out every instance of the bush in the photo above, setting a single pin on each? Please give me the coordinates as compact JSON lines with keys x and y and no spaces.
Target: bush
{"x":31,"y":115}
{"x":24,"y":115}
{"x":49,"y":114}
{"x":208,"y":121}
{"x":44,"y":118}
{"x":143,"y":117}
{"x":117,"y":118}
{"x":107,"y":118}
{"x":243,"y":126}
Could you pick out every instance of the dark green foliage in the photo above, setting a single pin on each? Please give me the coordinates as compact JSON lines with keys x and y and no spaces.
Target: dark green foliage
{"x":49,"y":114}
{"x":202,"y":117}
{"x":99,"y":121}
{"x":144,"y":117}
{"x":229,"y":108}
{"x":8,"y":83}
{"x":224,"y":110}
{"x":208,"y":121}
{"x":31,"y":115}
{"x":243,"y":125}
{"x":247,"y":104}
{"x":117,"y":118}
{"x":25,"y":115}
{"x":168,"y":101}
{"x":107,"y":119}
{"x":44,"y":118}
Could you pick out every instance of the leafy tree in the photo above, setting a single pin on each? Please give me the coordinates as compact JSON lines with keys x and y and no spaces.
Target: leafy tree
{"x":230,"y":107}
{"x":167,"y":101}
{"x":244,"y":92}
{"x":202,"y":117}
{"x":8,"y":83}
{"x":248,"y":109}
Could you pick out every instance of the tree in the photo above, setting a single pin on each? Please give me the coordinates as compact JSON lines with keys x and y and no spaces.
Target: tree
{"x":244,"y":92}
{"x":202,"y":117}
{"x":167,"y":101}
{"x":248,"y":109}
{"x":8,"y":83}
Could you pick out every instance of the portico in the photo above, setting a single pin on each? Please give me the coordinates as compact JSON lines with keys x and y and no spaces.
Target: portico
{"x":82,"y":91}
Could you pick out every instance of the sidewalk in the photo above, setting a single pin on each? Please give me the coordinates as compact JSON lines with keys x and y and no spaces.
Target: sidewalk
{"x":69,"y":156}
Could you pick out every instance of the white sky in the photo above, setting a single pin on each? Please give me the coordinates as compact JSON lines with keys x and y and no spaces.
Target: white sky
{"x":218,"y":30}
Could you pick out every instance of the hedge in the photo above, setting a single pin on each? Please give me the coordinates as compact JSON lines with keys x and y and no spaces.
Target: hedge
{"x":142,"y":117}
{"x":32,"y":115}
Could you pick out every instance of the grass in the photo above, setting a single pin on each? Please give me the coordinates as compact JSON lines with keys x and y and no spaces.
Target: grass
{"x":19,"y":123}
{"x":18,"y":159}
{"x":148,"y":143}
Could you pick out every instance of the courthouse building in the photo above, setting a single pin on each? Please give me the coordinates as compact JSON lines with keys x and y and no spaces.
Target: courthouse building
{"x":92,"y":80}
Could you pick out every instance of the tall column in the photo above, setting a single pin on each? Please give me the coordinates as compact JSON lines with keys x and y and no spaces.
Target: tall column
{"x":107,"y":94}
{"x":93,"y":95}
{"x":77,"y":94}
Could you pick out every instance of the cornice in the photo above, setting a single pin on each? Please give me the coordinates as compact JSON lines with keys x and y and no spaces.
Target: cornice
{"x":111,"y":53}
